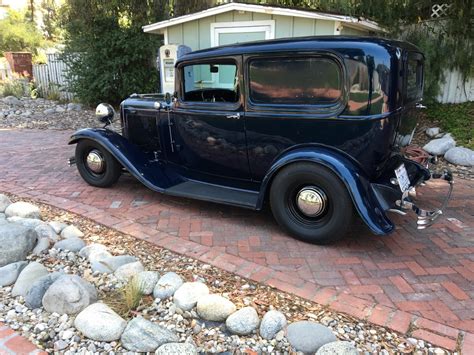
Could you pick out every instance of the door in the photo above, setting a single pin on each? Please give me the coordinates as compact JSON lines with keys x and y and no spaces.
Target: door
{"x":208,"y":125}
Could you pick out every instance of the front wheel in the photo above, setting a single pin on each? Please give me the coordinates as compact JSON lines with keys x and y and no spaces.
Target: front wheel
{"x":311,"y":203}
{"x":96,"y":165}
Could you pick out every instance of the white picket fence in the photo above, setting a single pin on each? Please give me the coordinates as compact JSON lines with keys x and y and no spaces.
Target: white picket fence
{"x":51,"y":77}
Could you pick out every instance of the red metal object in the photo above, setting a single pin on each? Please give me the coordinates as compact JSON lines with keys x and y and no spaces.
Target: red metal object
{"x":20,"y":63}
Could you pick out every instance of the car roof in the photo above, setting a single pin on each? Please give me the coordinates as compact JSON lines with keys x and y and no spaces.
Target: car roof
{"x":299,"y":44}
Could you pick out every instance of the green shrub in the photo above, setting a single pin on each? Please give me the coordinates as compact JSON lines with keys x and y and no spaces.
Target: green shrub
{"x":13,"y":87}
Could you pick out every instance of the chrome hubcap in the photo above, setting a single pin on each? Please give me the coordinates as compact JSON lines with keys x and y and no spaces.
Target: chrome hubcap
{"x":311,"y":201}
{"x":95,"y":162}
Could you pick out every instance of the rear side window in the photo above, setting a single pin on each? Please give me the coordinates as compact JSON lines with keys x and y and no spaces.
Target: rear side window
{"x":414,"y":77}
{"x":295,"y":81}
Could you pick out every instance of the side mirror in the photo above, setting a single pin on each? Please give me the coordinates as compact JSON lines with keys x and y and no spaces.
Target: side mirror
{"x":105,"y":113}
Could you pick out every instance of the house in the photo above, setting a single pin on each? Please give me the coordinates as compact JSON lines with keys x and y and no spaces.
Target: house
{"x":238,"y":22}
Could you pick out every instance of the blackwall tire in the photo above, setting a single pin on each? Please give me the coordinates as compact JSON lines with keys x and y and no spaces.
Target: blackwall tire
{"x":111,"y":167}
{"x":332,"y":215}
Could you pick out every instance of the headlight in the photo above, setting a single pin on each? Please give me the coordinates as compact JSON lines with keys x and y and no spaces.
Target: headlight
{"x":105,"y":113}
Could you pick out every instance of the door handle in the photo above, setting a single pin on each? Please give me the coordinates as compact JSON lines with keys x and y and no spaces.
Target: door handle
{"x":236,"y":116}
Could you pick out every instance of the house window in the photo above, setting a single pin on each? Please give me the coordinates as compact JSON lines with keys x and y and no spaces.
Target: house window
{"x":223,"y":33}
{"x":210,"y":82}
{"x":295,"y":81}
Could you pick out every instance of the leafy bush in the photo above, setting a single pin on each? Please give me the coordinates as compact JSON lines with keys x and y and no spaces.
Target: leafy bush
{"x":458,"y":119}
{"x":18,"y":34}
{"x":108,"y":55}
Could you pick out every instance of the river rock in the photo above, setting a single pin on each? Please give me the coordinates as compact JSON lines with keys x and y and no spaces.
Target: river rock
{"x":41,"y":246}
{"x":272,"y":322}
{"x":188,"y":294}
{"x":337,"y":348}
{"x":9,"y":273}
{"x":71,"y":244}
{"x":308,"y":337}
{"x":110,"y":264}
{"x":44,"y":230}
{"x":243,"y":322}
{"x":12,"y":101}
{"x":441,"y":145}
{"x":23,"y":209}
{"x":57,"y":226}
{"x":141,"y":335}
{"x":127,"y":271}
{"x":167,"y":285}
{"x":27,"y":222}
{"x":32,"y":272}
{"x":176,"y":349}
{"x":460,"y":156}
{"x":71,"y":232}
{"x":215,"y":308}
{"x":94,"y":252}
{"x":34,"y":296}
{"x":100,"y":323}
{"x":69,"y":294}
{"x":4,"y":202}
{"x":16,"y":242}
{"x":432,"y":132}
{"x":147,"y":281}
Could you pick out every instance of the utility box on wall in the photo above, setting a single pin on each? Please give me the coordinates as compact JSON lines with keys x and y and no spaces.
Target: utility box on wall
{"x":168,"y":55}
{"x":20,"y":63}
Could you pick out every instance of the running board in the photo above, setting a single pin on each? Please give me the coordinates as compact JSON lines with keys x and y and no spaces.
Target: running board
{"x":214,"y":193}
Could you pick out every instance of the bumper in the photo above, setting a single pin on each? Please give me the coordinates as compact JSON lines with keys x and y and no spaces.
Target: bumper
{"x":425,"y":218}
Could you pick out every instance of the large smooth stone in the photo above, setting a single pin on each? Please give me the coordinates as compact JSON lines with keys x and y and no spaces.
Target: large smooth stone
{"x":188,"y":295}
{"x":147,"y":281}
{"x":272,"y":322}
{"x":176,"y":349}
{"x":94,"y":252}
{"x":57,"y":226}
{"x":460,"y":156}
{"x":141,"y":335}
{"x":23,"y":209}
{"x":4,"y":202}
{"x":9,"y":273}
{"x":432,"y":132}
{"x":41,"y":246}
{"x":16,"y":242}
{"x":12,"y":101}
{"x":127,"y":271}
{"x":71,"y":244}
{"x":243,"y":322}
{"x":27,"y":222}
{"x":71,"y":232}
{"x":215,"y":308}
{"x":109,"y":265}
{"x":69,"y":294}
{"x":337,"y":348}
{"x":308,"y":337}
{"x":44,"y":230}
{"x":34,"y":296}
{"x":167,"y":285}
{"x":100,"y":323}
{"x":441,"y":145}
{"x":32,"y":272}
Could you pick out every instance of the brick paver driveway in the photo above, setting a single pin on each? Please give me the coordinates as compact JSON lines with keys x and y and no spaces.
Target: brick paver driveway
{"x":415,"y":281}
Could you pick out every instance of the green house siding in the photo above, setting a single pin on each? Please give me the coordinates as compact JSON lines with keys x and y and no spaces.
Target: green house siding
{"x":197,"y":34}
{"x":353,"y":32}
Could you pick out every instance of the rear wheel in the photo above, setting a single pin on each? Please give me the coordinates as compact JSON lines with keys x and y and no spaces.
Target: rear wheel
{"x":311,"y":203}
{"x":96,"y":165}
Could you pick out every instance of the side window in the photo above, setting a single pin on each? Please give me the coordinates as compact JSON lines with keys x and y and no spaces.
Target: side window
{"x":295,"y":81}
{"x":210,"y":82}
{"x":414,"y":77}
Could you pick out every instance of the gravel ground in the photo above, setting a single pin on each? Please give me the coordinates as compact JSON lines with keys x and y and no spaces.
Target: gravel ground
{"x":56,"y":333}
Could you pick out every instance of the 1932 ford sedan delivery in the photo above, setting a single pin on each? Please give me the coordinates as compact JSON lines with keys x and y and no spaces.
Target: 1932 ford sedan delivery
{"x":314,"y":126}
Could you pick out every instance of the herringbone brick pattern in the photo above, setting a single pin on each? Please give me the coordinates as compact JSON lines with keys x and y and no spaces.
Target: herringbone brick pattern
{"x":407,"y":279}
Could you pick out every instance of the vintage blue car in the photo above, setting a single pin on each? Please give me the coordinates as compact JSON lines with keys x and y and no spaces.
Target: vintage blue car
{"x":312,"y":126}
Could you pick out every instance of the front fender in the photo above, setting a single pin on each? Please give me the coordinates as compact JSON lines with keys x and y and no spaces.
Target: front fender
{"x":129,"y":155}
{"x":354,"y":178}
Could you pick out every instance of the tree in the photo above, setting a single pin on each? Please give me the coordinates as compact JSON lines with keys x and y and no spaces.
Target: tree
{"x":50,"y":15}
{"x":17,"y":34}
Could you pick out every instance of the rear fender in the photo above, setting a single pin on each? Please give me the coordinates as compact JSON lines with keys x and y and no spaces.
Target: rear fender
{"x":352,"y":175}
{"x":130,"y":156}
